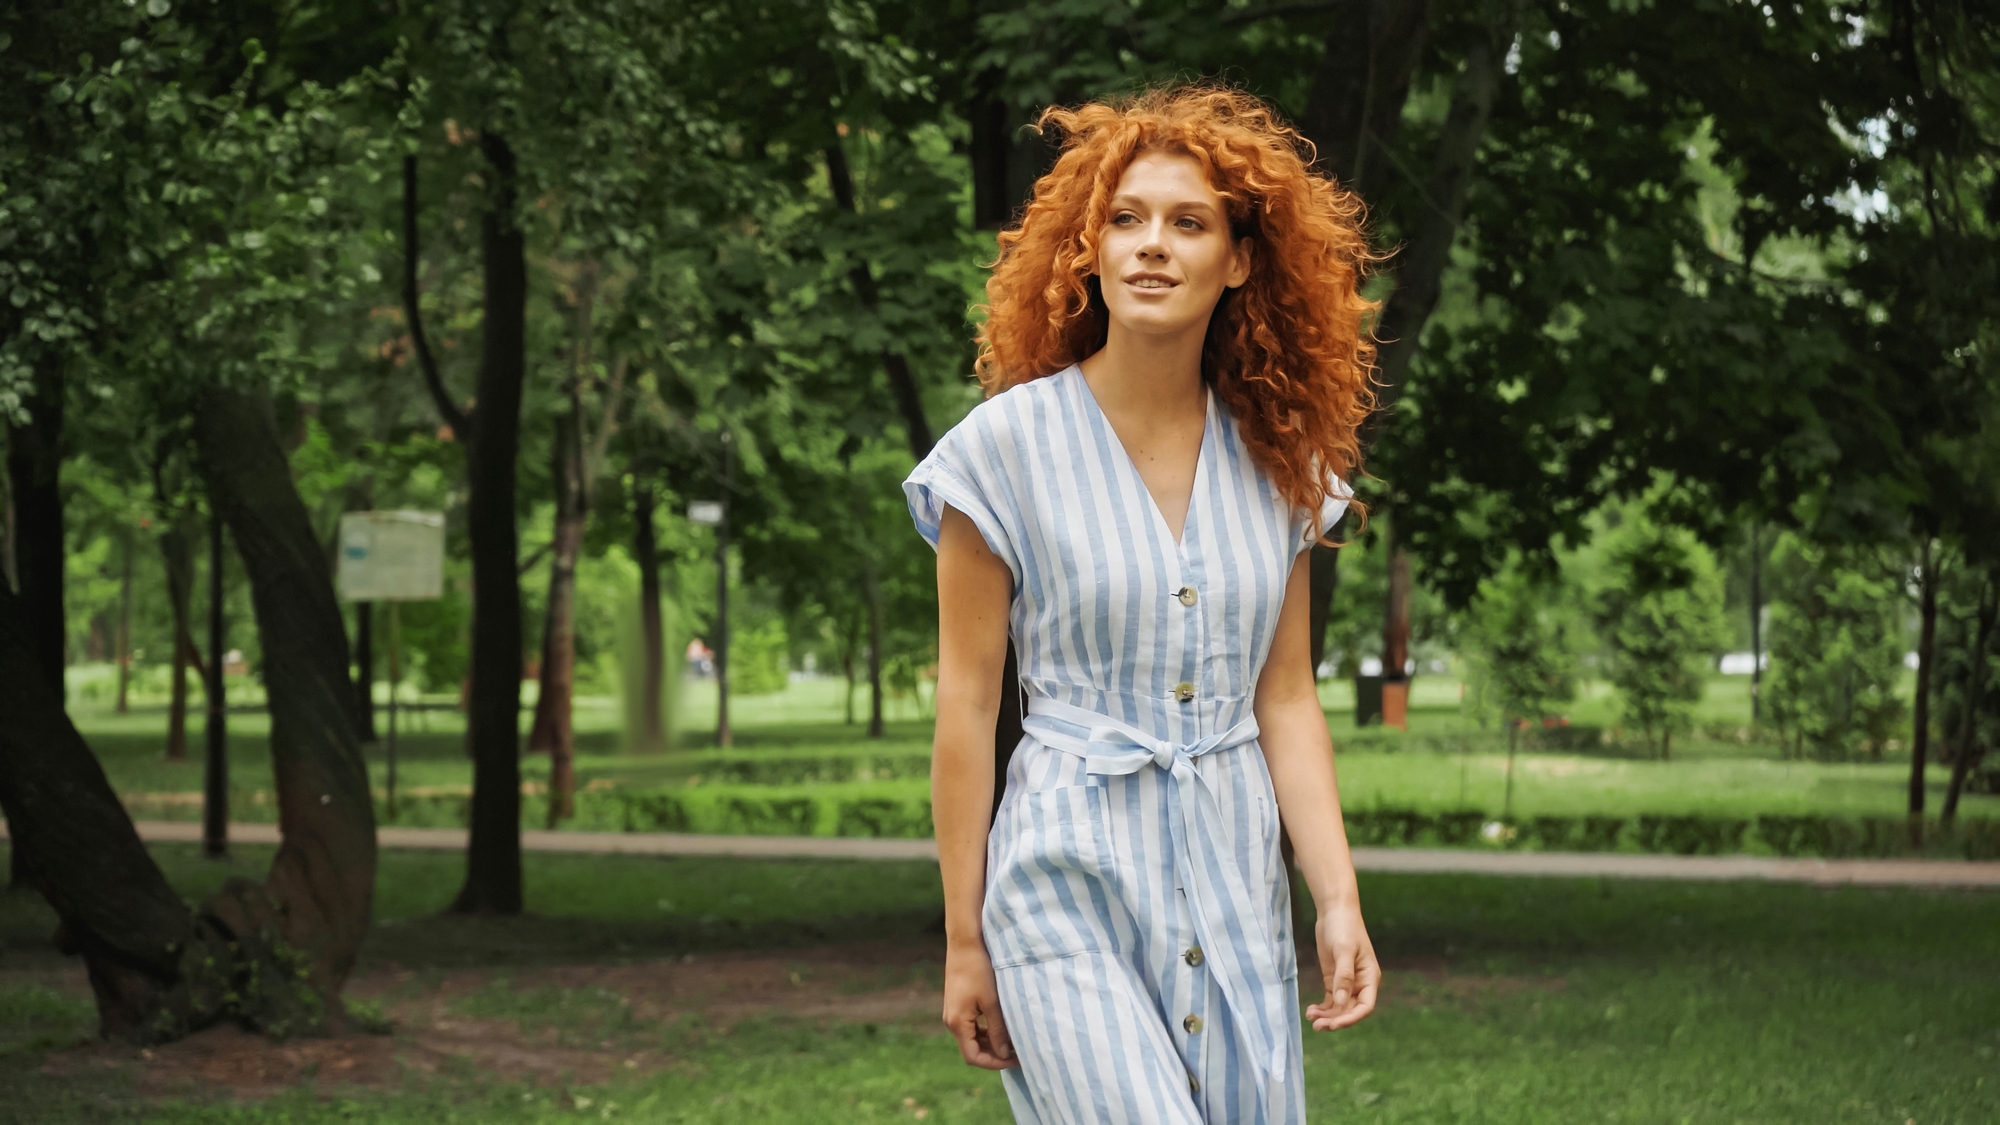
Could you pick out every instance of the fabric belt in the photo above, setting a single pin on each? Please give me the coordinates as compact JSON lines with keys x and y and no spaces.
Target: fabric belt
{"x":1237,"y":943}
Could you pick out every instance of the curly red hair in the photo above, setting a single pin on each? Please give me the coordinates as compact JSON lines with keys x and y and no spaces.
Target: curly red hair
{"x":1286,"y":352}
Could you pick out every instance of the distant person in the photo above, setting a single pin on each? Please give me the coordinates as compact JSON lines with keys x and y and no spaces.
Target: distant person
{"x":1175,"y":370}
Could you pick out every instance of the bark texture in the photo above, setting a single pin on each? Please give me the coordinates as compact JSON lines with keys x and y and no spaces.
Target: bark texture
{"x":34,"y":471}
{"x":1920,"y":734}
{"x":1967,"y":752}
{"x":652,"y":642}
{"x":321,"y":886}
{"x":177,"y":555}
{"x":552,"y":732}
{"x":493,"y":854}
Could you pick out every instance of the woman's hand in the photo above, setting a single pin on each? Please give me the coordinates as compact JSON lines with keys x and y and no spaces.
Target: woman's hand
{"x":972,"y":1008}
{"x":1347,"y":961}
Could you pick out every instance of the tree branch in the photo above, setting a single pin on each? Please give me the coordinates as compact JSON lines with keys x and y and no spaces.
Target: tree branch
{"x":1419,"y":281}
{"x":460,"y":421}
{"x":903,"y":384}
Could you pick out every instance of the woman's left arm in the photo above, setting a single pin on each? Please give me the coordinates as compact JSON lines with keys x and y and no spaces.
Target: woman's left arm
{"x":1300,"y":754}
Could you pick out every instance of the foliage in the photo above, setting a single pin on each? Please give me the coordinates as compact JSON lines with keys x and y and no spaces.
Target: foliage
{"x":759,"y":659}
{"x":1837,"y":643}
{"x":1659,"y":618}
{"x":1518,"y":648}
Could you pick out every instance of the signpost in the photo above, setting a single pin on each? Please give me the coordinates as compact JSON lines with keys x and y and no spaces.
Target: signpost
{"x":392,"y":557}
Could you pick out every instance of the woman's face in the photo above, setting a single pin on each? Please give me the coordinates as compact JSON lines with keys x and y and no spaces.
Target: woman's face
{"x":1165,"y":255}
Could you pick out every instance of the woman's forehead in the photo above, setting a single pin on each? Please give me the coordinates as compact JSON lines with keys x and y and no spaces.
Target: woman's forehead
{"x":1163,"y":172}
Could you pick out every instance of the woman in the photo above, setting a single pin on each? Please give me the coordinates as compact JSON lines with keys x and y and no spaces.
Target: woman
{"x":1175,"y":371}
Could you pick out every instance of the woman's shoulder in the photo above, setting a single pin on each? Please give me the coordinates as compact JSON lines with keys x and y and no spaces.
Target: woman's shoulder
{"x":1010,"y":420}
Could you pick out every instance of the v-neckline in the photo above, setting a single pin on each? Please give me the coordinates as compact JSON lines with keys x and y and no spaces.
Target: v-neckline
{"x":1200,"y":458}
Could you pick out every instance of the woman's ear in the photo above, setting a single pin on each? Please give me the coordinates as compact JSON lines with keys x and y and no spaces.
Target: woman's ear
{"x":1239,"y":263}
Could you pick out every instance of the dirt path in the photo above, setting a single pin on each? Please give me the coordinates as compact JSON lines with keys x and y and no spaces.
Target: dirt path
{"x":553,"y":1026}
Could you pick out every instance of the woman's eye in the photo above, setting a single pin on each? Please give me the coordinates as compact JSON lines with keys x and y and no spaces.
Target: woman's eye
{"x":1188,"y":224}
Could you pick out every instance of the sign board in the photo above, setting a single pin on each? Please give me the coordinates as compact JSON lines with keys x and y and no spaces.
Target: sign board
{"x":391,"y":556}
{"x":708,"y":513}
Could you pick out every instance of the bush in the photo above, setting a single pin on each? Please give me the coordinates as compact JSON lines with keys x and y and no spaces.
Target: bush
{"x":1517,"y":650}
{"x":759,"y":659}
{"x":1660,"y":616}
{"x":1837,"y":643}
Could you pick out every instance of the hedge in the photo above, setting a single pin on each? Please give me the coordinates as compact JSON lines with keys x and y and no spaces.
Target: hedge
{"x":902,"y":810}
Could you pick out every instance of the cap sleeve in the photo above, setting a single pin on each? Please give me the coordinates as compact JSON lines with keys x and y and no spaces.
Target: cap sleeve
{"x":952,"y":476}
{"x":1330,"y":511}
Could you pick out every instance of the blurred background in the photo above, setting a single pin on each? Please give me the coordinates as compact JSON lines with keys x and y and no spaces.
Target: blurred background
{"x":1684,"y":552}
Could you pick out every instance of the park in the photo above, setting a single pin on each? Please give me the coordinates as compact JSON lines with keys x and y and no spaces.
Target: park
{"x":465,"y":654}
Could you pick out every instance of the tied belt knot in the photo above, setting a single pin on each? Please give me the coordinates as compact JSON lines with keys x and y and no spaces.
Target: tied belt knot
{"x":1229,"y":919}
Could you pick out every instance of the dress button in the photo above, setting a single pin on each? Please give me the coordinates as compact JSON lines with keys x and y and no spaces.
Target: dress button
{"x":1193,"y":956}
{"x":1186,"y":595}
{"x":1193,"y":1024}
{"x":1194,"y":1085}
{"x":1183,"y":691}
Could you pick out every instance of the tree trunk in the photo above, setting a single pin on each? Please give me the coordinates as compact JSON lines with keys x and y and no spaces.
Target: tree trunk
{"x":724,"y":736}
{"x":1354,"y":110}
{"x":1396,"y":611}
{"x":34,"y":470}
{"x":124,"y":637}
{"x":1420,"y":274}
{"x":1323,"y":582}
{"x":1968,"y":751}
{"x":1926,"y":641}
{"x":1355,"y":106}
{"x":652,"y":641}
{"x":34,"y":495}
{"x":1756,"y":627}
{"x":493,"y":854}
{"x":158,"y":970}
{"x":847,"y":665}
{"x":215,"y":731}
{"x":552,"y":732}
{"x":319,"y":893}
{"x":872,"y":589}
{"x":364,"y":670}
{"x":177,"y":556}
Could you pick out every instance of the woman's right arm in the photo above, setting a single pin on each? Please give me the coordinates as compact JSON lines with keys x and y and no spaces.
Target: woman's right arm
{"x":974,"y":590}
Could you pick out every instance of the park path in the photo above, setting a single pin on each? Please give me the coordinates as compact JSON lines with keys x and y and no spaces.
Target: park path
{"x":1824,"y":872}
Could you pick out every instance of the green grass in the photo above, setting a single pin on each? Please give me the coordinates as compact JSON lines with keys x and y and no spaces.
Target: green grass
{"x":1445,"y":761}
{"x":1510,"y":1001}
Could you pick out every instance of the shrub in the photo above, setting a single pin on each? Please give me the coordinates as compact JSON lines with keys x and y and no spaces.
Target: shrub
{"x":1517,"y":650}
{"x":1837,"y":643}
{"x":1660,"y":616}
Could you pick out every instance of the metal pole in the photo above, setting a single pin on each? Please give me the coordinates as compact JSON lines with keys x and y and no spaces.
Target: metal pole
{"x":215,"y":771}
{"x":722,"y":735}
{"x":395,"y":684}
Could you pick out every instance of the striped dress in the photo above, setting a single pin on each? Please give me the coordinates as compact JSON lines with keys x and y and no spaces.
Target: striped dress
{"x":1136,"y":907}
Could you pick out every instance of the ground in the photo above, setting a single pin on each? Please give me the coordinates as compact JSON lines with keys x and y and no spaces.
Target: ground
{"x":741,"y":991}
{"x":1445,"y":762}
{"x":714,"y":990}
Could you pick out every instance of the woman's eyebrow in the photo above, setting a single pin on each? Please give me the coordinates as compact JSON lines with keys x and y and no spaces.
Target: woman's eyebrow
{"x":1181,"y":205}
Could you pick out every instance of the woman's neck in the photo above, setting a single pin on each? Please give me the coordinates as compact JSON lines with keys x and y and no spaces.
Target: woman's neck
{"x":1148,"y":378}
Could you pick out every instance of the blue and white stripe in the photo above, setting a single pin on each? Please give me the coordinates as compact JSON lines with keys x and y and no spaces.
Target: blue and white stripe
{"x":1138,"y":827}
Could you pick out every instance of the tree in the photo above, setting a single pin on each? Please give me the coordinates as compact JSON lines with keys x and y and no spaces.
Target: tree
{"x":1518,"y":644}
{"x":1837,"y":644}
{"x":1659,"y":617}
{"x":210,"y":220}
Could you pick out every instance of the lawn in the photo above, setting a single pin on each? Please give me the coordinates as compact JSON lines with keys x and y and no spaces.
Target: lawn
{"x":712,"y":990}
{"x":1445,"y":761}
